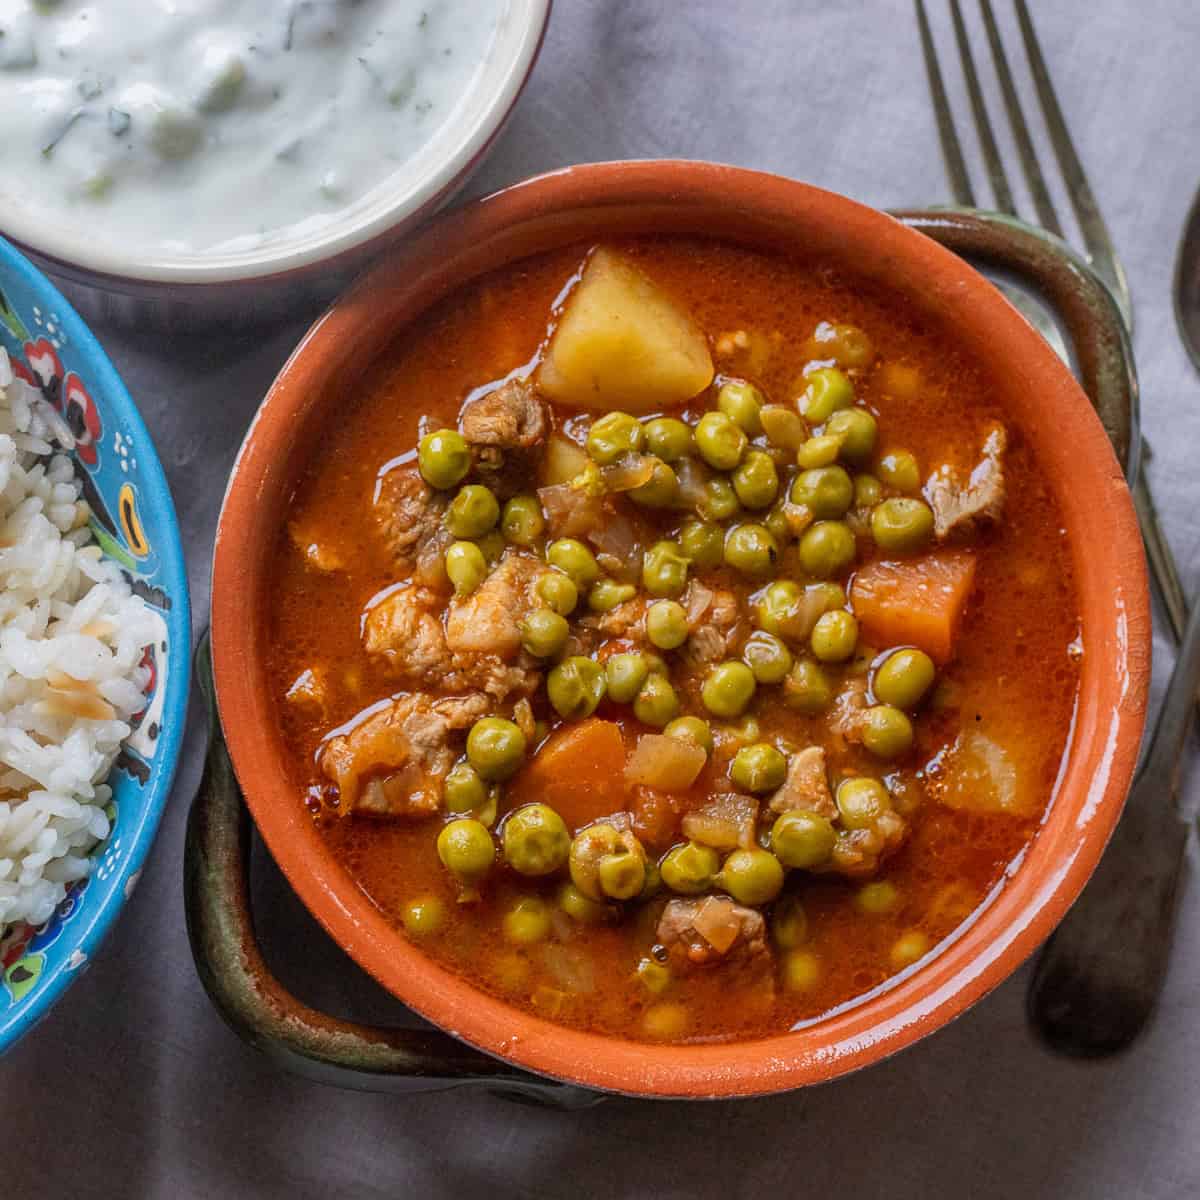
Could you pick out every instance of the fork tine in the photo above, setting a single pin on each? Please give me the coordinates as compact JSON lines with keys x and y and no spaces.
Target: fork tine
{"x":987,"y":140}
{"x":1016,"y":119}
{"x":956,"y":168}
{"x":1087,"y":211}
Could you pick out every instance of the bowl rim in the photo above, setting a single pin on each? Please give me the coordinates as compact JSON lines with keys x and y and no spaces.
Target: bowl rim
{"x":86,"y":934}
{"x":1114,"y":602}
{"x":456,"y":148}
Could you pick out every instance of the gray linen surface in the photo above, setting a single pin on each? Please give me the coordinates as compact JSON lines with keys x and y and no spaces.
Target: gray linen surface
{"x":134,"y":1087}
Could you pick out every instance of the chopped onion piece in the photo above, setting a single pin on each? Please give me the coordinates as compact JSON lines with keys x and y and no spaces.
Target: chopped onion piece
{"x":670,"y":764}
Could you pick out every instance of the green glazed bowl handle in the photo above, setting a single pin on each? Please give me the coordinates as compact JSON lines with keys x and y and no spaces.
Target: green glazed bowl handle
{"x":257,"y":1006}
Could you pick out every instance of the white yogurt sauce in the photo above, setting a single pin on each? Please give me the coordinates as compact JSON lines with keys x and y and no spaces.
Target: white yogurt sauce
{"x":185,"y":126}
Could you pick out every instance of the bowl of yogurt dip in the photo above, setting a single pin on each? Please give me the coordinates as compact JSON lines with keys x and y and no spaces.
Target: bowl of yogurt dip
{"x":205,"y":150}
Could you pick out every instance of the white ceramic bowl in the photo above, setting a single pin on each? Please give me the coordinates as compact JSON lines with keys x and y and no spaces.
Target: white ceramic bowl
{"x":310,"y":265}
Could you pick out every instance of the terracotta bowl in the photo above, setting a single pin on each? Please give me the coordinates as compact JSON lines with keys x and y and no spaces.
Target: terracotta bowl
{"x":1038,"y":394}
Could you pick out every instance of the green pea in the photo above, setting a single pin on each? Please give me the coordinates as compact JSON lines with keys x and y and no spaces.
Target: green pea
{"x":901,"y":525}
{"x":575,"y":687}
{"x":826,"y":390}
{"x":755,"y":480}
{"x":465,"y":566}
{"x":878,"y":897}
{"x":581,"y":908}
{"x":472,"y":512}
{"x":653,"y":976}
{"x":720,"y":501}
{"x":801,"y":971}
{"x":857,"y":430}
{"x":751,"y":550}
{"x":806,"y":689}
{"x":466,"y":849}
{"x":535,"y":840}
{"x":898,"y":469}
{"x":423,"y":916}
{"x":827,"y":548}
{"x":802,"y":839}
{"x":522,"y":522}
{"x":767,"y":656}
{"x":495,"y":748}
{"x":758,"y":769}
{"x":443,"y":458}
{"x":657,"y":703}
{"x":861,"y":801}
{"x":621,"y":876}
{"x":741,"y":402}
{"x":820,"y":451}
{"x":666,"y":624}
{"x":907,"y":948}
{"x":625,"y":673}
{"x":834,"y":636}
{"x":777,"y":522}
{"x":491,"y":546}
{"x":720,"y":441}
{"x":557,"y":591}
{"x":868,"y":491}
{"x":903,"y":678}
{"x":887,"y":732}
{"x":574,"y":560}
{"x":689,"y":869}
{"x":825,"y":491}
{"x":606,"y":594}
{"x":728,"y":689}
{"x":528,"y":921}
{"x":752,"y":876}
{"x":661,"y":490}
{"x":783,"y":427}
{"x":789,"y":922}
{"x":464,"y":789}
{"x":667,"y":438}
{"x":777,"y":610}
{"x":694,"y":729}
{"x":544,"y":632}
{"x":702,"y":543}
{"x":612,"y":435}
{"x":664,"y":569}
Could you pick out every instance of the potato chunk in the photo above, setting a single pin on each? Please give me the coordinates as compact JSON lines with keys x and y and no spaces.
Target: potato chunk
{"x":622,"y":343}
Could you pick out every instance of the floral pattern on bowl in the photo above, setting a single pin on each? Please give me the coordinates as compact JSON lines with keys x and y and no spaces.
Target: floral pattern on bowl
{"x":133,"y":520}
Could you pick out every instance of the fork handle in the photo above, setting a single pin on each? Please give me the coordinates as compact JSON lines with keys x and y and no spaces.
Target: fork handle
{"x":1158,"y":552}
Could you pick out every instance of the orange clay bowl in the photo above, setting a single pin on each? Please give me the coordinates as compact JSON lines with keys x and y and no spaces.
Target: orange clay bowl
{"x":1038,"y":395}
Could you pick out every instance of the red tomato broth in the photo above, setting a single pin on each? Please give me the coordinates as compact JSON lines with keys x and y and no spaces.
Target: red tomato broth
{"x":1012,"y":660}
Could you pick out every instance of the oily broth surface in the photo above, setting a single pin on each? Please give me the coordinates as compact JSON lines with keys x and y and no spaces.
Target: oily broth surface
{"x":1012,"y":667}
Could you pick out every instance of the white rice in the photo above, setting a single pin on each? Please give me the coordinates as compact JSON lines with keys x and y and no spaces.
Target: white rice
{"x":71,"y":639}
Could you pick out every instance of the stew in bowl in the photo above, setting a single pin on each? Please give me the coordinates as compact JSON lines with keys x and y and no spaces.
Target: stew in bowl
{"x":674,"y":639}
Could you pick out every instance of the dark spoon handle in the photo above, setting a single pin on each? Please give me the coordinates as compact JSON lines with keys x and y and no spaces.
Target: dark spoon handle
{"x":1099,"y":976}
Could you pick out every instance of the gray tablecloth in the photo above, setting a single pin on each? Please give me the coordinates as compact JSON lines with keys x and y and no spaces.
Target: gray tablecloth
{"x":133,"y":1087}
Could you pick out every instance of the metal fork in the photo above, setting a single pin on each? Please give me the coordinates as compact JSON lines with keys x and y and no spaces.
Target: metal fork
{"x":1098,"y":247}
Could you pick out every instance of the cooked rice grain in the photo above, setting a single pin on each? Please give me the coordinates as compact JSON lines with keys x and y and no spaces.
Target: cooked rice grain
{"x":71,"y":640}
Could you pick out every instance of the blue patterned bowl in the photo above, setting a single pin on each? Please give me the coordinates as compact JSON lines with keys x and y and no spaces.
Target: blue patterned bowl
{"x":133,"y":520}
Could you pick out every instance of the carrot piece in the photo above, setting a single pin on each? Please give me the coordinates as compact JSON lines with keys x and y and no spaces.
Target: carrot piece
{"x":655,"y":819}
{"x":579,"y":772}
{"x":915,"y":602}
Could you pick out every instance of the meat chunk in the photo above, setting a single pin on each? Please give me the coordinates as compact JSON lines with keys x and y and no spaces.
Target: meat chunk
{"x":309,"y":690}
{"x":511,"y":417}
{"x":405,"y":629}
{"x":806,"y":786}
{"x":961,"y":506}
{"x":392,"y":762}
{"x":409,"y":516}
{"x":849,"y":710}
{"x":712,"y":929}
{"x":714,"y":625}
{"x":859,"y":853}
{"x":504,"y":427}
{"x":487,"y":620}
